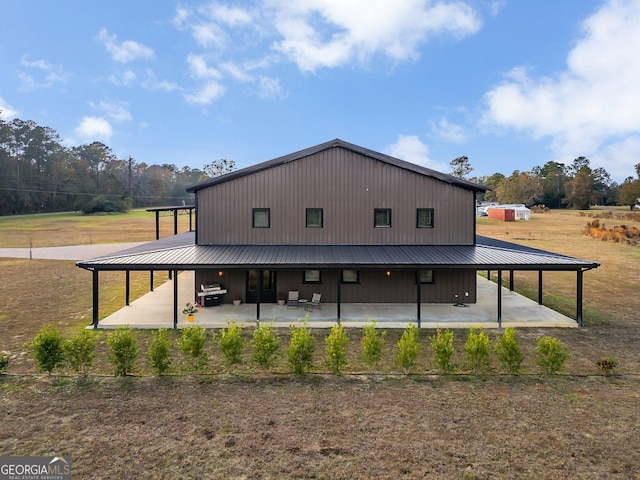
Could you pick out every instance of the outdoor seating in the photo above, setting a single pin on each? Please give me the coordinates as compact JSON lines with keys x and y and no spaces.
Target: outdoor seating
{"x":292,"y":300}
{"x":314,"y":303}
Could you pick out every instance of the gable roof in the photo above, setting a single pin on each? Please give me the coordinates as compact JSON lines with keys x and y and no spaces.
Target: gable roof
{"x":337,"y":143}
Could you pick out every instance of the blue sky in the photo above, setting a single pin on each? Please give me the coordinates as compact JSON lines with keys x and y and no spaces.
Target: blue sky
{"x":511,"y":84}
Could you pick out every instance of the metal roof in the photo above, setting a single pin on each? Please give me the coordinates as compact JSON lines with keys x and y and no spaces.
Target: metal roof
{"x":337,"y":143}
{"x":180,"y":253}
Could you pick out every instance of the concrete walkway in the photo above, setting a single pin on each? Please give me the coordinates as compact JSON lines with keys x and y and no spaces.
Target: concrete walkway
{"x":155,"y":310}
{"x":74,"y":252}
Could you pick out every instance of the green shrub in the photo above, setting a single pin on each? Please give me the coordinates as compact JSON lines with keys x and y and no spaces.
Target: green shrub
{"x":80,"y":351}
{"x":551,"y":355}
{"x":408,"y":348}
{"x":264,"y":343}
{"x":123,"y":350}
{"x":607,"y":365}
{"x":336,"y":348}
{"x":442,"y":345}
{"x":508,"y":351}
{"x":372,"y":343}
{"x":47,"y":348}
{"x":301,"y":348}
{"x":230,"y":342}
{"x":159,"y":352}
{"x":4,"y":361}
{"x":477,"y":350}
{"x":192,"y":343}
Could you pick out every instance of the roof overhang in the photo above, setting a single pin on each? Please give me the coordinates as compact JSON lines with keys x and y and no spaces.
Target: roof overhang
{"x":180,"y":253}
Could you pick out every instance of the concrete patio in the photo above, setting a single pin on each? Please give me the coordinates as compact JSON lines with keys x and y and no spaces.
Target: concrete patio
{"x":155,"y":310}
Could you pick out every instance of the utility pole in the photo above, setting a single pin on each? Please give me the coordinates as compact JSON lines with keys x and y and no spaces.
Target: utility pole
{"x":130,"y":175}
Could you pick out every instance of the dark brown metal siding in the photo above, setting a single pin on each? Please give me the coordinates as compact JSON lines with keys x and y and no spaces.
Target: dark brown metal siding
{"x":348,"y":187}
{"x":374,"y":287}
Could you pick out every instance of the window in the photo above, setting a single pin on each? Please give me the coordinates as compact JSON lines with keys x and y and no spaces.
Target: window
{"x":350,"y":276}
{"x":314,"y":218}
{"x":311,"y":276}
{"x":424,"y":217}
{"x":382,"y":217}
{"x":261,"y":218}
{"x":426,"y":276}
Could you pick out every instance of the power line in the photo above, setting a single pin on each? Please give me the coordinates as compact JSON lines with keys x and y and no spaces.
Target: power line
{"x":28,"y":190}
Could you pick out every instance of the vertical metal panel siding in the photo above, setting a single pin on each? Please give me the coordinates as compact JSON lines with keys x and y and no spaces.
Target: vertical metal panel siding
{"x":348,"y":187}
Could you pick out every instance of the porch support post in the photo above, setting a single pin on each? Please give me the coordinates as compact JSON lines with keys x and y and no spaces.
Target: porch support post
{"x":418,"y":296}
{"x":175,"y":221}
{"x":151,"y":280}
{"x":260,"y":273}
{"x":127,"y":288}
{"x":579,"y":275}
{"x":489,"y":275}
{"x":539,"y":287}
{"x":95,"y":299}
{"x":338,"y":300}
{"x":499,"y":298}
{"x":190,"y":219}
{"x":175,"y":299}
{"x":511,"y":280}
{"x":157,"y":225}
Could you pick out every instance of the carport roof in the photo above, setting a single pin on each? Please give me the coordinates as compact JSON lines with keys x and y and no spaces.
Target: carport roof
{"x":179,"y":252}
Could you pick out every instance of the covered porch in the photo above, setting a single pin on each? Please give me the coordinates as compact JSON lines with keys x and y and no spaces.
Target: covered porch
{"x":156,"y":310}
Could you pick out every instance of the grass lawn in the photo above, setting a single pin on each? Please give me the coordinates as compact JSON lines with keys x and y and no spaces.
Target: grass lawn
{"x":243,"y":423}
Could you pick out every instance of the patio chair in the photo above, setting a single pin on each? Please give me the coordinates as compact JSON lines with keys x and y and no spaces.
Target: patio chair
{"x":292,"y":300}
{"x":314,"y":303}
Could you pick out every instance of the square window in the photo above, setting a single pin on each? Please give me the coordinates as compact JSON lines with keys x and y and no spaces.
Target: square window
{"x":314,"y":218}
{"x":382,"y":217}
{"x":426,"y":276}
{"x":424,"y":217}
{"x":261,"y":218}
{"x":311,"y":276}
{"x":350,"y":276}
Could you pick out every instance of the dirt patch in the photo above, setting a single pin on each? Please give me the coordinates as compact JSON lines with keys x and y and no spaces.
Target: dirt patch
{"x":328,"y":427}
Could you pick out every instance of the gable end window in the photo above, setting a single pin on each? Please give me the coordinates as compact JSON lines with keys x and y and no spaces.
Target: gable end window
{"x":261,"y":218}
{"x":424,"y":218}
{"x":382,"y":218}
{"x":314,"y":218}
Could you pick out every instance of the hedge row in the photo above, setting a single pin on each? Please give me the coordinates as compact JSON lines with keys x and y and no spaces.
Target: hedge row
{"x":52,"y":351}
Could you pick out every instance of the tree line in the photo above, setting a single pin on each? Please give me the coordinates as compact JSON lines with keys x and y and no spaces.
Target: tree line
{"x":39,"y":174}
{"x":556,"y":185}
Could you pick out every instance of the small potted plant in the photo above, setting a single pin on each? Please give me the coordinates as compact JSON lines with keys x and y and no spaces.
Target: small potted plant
{"x":282,"y":299}
{"x":237,"y":301}
{"x":190,"y":310}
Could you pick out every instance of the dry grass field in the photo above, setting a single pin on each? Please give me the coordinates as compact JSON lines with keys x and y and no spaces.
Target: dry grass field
{"x":243,"y":423}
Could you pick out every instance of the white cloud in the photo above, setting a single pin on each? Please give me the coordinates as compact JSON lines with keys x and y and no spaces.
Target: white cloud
{"x":332,"y":33}
{"x":448,"y":131}
{"x":7,"y":112}
{"x":153,"y":83}
{"x":125,"y":79}
{"x":94,"y":128}
{"x":589,"y":109}
{"x":270,"y":88}
{"x":206,"y":94}
{"x":115,"y":111}
{"x":412,"y":149}
{"x":40,"y":74}
{"x":125,"y":51}
{"x":199,"y":69}
{"x":313,"y":34}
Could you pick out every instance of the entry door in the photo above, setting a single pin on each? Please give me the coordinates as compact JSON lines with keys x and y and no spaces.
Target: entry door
{"x":268,"y":292}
